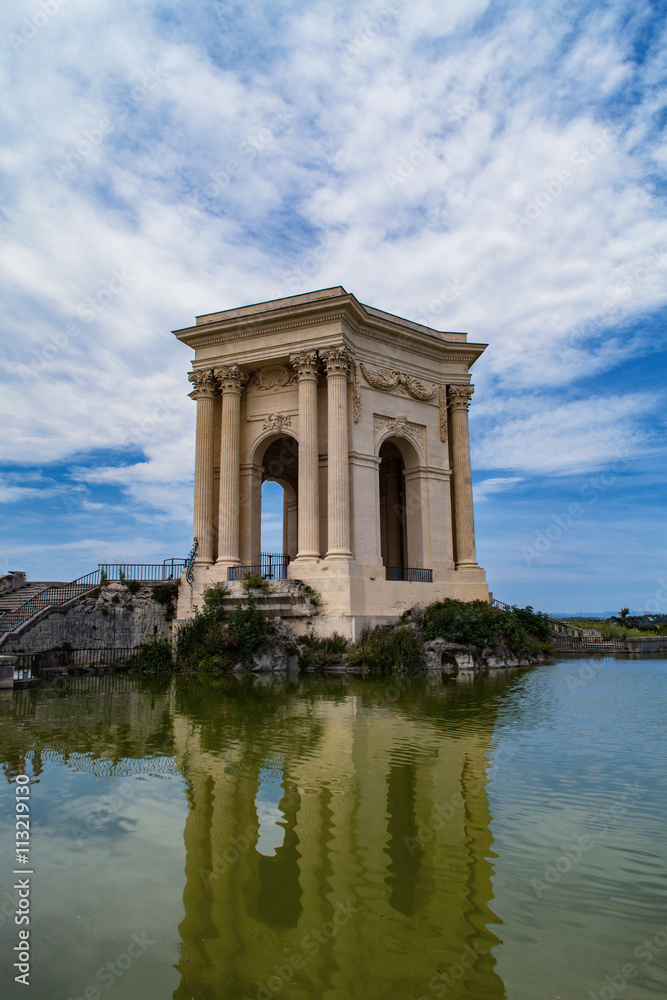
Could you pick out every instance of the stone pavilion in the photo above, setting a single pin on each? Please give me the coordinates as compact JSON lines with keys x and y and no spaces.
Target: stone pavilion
{"x":362,"y":418}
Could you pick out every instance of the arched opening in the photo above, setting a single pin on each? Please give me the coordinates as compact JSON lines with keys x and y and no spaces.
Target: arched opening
{"x":392,"y":506}
{"x":276,"y":528}
{"x":402,"y":504}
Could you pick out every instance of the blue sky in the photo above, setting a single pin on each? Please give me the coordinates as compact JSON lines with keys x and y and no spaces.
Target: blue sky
{"x":493,"y":168}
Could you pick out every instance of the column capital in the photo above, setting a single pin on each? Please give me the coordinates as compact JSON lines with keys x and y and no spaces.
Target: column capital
{"x":204,"y":384}
{"x":459,"y":396}
{"x":337,"y":360}
{"x":230,"y":378}
{"x":305,"y":365}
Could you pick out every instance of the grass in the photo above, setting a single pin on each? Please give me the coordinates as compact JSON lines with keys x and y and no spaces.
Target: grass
{"x":388,"y":650}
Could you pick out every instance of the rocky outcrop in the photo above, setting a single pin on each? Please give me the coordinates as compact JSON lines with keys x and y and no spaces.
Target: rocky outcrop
{"x":114,"y":619}
{"x":439,"y":654}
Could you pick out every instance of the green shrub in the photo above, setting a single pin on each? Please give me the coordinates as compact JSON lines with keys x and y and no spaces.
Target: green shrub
{"x":315,"y":598}
{"x":121,"y":576}
{"x":166,"y":594}
{"x":212,"y":633}
{"x":104,"y":579}
{"x":214,"y":598}
{"x":387,"y":650}
{"x":134,"y":586}
{"x":247,"y":627}
{"x":477,"y":623}
{"x":322,"y":651}
{"x":255,"y":581}
{"x":153,"y":656}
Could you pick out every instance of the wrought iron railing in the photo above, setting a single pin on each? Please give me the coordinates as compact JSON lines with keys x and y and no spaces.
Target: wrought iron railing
{"x":190,"y":562}
{"x":409,"y":574}
{"x":170,"y":569}
{"x":558,"y":626}
{"x":273,"y":567}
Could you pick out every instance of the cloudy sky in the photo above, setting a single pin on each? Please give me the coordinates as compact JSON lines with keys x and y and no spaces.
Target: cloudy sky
{"x":496,"y":168}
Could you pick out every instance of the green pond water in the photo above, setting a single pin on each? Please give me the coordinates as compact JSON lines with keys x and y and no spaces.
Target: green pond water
{"x":337,"y":837}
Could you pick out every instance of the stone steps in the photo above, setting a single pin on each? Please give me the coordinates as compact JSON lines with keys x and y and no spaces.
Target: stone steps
{"x":12,"y":599}
{"x":289,"y":599}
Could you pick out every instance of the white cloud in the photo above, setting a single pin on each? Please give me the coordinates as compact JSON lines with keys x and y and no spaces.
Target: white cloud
{"x":208,"y":200}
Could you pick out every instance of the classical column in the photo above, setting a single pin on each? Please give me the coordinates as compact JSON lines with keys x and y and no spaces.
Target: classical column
{"x":464,"y":525}
{"x":305,"y":365}
{"x":231,"y":381}
{"x":204,"y":394}
{"x":394,"y":513}
{"x":337,"y":364}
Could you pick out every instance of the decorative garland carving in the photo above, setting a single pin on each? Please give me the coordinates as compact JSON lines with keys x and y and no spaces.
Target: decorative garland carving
{"x":272,"y":378}
{"x":442,"y":412}
{"x":401,"y":427}
{"x":356,"y":393}
{"x":276,"y":422}
{"x":204,"y":384}
{"x":390,"y":379}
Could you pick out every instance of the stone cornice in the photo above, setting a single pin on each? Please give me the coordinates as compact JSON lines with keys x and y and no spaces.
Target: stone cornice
{"x":236,"y":325}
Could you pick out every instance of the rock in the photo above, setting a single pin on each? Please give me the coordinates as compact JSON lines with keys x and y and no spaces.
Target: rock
{"x":267,"y":659}
{"x":439,"y":653}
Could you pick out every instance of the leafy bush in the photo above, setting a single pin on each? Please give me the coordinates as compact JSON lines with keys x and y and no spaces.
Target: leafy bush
{"x":134,"y":586}
{"x":322,"y":651}
{"x":218,"y":639}
{"x":247,"y":627}
{"x":315,"y":598}
{"x":477,"y":623}
{"x":166,"y":594}
{"x":153,"y":656}
{"x":393,"y":649}
{"x":255,"y":581}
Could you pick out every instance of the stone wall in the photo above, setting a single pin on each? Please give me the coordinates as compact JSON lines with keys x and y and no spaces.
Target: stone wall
{"x":116,"y":619}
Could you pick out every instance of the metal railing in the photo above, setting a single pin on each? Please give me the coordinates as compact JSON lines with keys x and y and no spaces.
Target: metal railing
{"x":409,"y":574}
{"x":97,"y":657}
{"x":558,"y":626}
{"x":273,"y":567}
{"x":170,"y":569}
{"x":190,"y":562}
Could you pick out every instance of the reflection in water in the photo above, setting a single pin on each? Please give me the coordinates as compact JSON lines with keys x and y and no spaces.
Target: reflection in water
{"x":336,"y":841}
{"x":380,"y":880}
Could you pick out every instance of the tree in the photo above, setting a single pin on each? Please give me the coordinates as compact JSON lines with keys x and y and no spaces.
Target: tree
{"x":624,"y":612}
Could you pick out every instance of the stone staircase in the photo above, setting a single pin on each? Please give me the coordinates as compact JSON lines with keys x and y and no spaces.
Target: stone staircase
{"x":10,"y":600}
{"x":288,"y":599}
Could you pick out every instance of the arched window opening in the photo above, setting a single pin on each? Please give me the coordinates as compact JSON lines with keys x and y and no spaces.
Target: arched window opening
{"x":393,"y":540}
